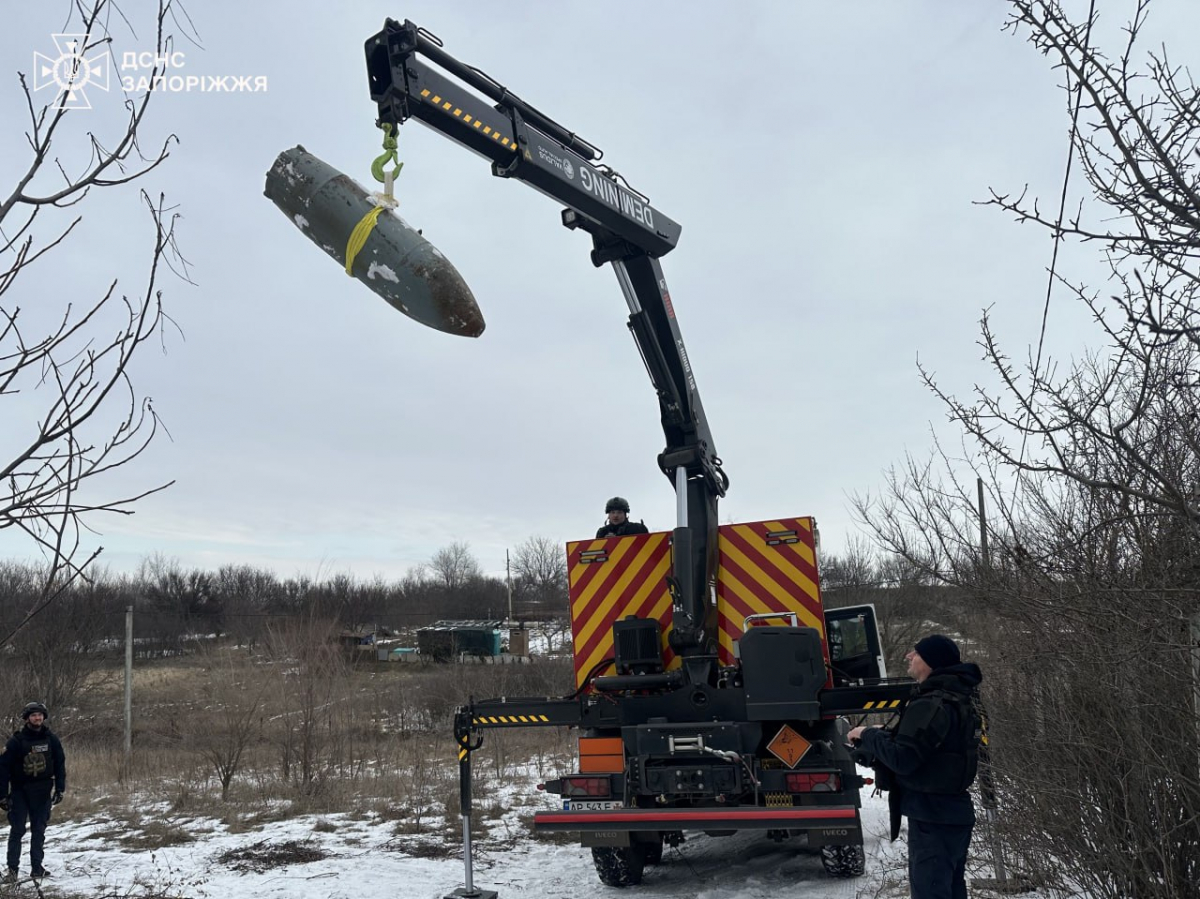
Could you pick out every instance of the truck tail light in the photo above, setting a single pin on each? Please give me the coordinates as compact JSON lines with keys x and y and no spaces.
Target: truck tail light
{"x":586,"y":786}
{"x":814,"y":782}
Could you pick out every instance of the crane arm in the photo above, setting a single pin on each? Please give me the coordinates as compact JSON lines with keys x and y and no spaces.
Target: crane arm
{"x":521,"y":142}
{"x":411,"y":76}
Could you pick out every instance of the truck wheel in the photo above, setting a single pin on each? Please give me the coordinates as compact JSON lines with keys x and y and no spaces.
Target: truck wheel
{"x":844,"y":861}
{"x":619,"y":866}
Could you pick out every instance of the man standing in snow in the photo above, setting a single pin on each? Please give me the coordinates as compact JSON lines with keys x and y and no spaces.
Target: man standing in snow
{"x":34,"y":768}
{"x":931,"y":759}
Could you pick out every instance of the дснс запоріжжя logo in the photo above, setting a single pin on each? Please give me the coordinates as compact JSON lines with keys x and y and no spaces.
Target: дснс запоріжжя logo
{"x":71,"y":72}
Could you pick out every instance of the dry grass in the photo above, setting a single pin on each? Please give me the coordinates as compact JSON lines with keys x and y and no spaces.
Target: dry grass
{"x":136,"y":832}
{"x":373,"y":742}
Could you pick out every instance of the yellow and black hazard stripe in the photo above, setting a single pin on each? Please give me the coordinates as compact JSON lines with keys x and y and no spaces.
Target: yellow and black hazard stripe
{"x":882,"y":705}
{"x":457,"y":111}
{"x":513,"y":720}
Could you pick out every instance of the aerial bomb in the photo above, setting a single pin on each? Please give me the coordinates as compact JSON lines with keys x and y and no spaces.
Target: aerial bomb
{"x":385,"y":252}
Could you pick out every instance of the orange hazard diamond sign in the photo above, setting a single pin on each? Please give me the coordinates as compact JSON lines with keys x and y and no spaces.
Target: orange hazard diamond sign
{"x":788,"y":746}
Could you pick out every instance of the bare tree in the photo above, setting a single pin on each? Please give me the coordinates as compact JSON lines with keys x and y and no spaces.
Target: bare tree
{"x":247,"y":595}
{"x":1087,"y":603}
{"x":454,"y":566}
{"x":1136,"y":135}
{"x":73,"y":360}
{"x":540,"y":568}
{"x":60,"y":657}
{"x":233,"y":691}
{"x":179,"y":602}
{"x":313,"y":690}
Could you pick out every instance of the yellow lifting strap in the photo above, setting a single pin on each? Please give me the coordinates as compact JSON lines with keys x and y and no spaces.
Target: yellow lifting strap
{"x":358,"y":237}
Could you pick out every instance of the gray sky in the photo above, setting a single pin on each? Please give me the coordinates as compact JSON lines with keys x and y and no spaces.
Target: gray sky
{"x":823,"y":160}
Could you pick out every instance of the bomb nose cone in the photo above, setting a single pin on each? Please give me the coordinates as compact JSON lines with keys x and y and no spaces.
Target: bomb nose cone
{"x":395,"y":260}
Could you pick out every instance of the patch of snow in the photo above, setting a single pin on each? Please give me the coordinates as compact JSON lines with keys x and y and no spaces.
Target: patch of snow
{"x":368,"y":859}
{"x":301,"y":221}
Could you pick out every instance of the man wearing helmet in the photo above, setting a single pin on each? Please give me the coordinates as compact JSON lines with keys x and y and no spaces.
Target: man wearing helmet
{"x":619,"y":525}
{"x":33,"y":776}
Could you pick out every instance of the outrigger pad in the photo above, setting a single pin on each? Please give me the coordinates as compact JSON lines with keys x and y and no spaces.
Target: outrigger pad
{"x":783,"y":670}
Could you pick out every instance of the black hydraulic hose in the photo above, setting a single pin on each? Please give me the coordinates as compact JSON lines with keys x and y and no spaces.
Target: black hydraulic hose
{"x":599,"y":666}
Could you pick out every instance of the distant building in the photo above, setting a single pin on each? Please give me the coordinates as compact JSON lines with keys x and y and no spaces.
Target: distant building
{"x":446,"y":640}
{"x":356,"y":641}
{"x":518,"y":641}
{"x":397,"y":653}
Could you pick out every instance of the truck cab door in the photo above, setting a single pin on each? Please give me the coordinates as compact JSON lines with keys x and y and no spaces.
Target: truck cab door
{"x":855,"y":652}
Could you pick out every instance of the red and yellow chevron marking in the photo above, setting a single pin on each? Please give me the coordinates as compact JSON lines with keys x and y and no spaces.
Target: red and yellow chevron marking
{"x":756,"y":578}
{"x":630,"y":581}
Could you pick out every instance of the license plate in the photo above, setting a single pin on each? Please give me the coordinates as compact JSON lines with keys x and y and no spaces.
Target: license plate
{"x":592,"y":805}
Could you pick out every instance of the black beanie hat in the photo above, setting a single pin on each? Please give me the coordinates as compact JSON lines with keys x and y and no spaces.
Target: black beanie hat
{"x":938,"y":651}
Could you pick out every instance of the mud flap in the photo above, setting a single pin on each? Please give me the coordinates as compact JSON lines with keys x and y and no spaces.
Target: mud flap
{"x":604,"y":838}
{"x":835,"y":836}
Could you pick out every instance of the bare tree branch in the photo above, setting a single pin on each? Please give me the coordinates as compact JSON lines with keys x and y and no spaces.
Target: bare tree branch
{"x":1086,"y":605}
{"x":75,"y":365}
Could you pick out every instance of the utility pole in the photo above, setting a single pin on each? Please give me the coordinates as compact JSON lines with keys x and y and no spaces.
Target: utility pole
{"x":987,"y":783}
{"x":508,"y":581}
{"x":128,"y":758}
{"x":983,"y":535}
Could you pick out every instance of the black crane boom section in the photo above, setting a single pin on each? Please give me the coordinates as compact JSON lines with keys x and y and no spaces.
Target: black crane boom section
{"x":521,"y":142}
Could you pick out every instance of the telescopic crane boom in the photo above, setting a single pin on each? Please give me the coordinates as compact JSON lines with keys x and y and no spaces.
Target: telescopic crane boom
{"x":627,"y":232}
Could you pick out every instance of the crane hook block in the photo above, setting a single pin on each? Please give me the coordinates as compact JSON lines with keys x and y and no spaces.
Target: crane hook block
{"x":374,"y":245}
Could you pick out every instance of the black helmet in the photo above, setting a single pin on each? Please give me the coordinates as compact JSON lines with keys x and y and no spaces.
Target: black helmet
{"x":617,"y":504}
{"x":31,"y":707}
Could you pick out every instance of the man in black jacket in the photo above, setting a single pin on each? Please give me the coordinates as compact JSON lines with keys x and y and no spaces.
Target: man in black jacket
{"x":931,"y":759}
{"x":33,"y":776}
{"x":619,"y":525}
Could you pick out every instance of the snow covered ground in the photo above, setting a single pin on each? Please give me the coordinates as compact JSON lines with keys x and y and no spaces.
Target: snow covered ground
{"x":332,"y":857}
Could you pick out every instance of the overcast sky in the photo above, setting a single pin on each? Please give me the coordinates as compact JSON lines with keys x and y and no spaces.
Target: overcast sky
{"x":823,"y":159}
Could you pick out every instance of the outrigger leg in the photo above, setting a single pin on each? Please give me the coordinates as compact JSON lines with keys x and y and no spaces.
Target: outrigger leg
{"x":467,"y":743}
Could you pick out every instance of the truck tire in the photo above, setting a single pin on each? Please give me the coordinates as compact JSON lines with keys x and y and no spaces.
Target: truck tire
{"x":844,"y":861}
{"x":619,"y":866}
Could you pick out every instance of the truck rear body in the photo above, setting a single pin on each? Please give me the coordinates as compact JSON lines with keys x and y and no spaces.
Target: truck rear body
{"x":753,"y":750}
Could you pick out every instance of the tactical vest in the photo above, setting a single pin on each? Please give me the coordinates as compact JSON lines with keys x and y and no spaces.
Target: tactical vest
{"x":951,"y":767}
{"x":37,"y":758}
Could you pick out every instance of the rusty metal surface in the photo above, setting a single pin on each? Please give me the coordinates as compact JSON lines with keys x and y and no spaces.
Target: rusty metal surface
{"x":396,"y":262}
